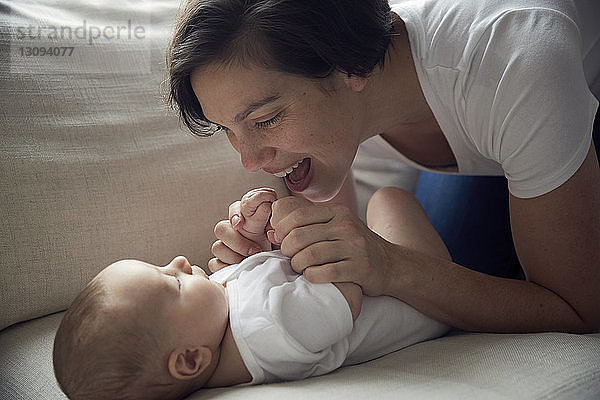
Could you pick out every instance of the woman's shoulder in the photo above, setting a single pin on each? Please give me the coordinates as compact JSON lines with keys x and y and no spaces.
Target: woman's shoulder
{"x":445,"y":33}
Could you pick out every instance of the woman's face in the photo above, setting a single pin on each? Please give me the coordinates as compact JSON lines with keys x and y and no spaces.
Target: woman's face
{"x":285,"y":123}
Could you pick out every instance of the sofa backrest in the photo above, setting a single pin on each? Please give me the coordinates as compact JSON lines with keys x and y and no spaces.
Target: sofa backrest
{"x":94,"y":166}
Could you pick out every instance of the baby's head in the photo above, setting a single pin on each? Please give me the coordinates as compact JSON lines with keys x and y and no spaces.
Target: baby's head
{"x":141,"y":331}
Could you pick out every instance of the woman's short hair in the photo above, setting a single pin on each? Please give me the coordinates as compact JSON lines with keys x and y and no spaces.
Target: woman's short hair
{"x":309,"y":38}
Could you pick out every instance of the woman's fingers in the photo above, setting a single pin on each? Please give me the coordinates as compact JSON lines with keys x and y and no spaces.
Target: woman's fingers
{"x":328,"y":243}
{"x":214,"y":264}
{"x":365,"y":266}
{"x":304,"y":236}
{"x":221,"y":251}
{"x":317,"y":253}
{"x":284,"y":221}
{"x":231,"y":247}
{"x":332,"y":272}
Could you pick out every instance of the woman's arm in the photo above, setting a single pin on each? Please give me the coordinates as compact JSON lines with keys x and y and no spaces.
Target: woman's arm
{"x":557,"y":236}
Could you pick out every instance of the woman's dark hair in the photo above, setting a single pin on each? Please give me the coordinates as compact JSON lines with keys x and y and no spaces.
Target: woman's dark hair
{"x":310,"y":38}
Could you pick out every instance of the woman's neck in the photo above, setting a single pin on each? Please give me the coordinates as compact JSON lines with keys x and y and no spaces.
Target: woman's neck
{"x":394,"y":96}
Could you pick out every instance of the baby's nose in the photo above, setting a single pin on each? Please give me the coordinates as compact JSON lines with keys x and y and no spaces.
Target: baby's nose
{"x":181,"y":264}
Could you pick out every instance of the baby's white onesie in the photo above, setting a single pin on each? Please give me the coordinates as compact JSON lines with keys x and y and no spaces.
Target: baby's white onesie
{"x":287,"y":328}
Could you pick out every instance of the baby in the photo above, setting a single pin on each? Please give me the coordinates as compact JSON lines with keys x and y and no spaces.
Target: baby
{"x":140,"y":331}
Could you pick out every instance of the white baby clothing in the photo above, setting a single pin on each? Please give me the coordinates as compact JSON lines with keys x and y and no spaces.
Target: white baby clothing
{"x":287,"y":328}
{"x":511,"y":84}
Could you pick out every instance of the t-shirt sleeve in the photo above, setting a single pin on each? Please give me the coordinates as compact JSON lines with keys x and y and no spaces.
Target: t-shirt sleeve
{"x":315,"y":316}
{"x":298,"y":329}
{"x":527,"y":102}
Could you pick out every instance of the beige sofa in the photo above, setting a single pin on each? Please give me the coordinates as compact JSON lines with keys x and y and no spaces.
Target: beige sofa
{"x":94,"y":167}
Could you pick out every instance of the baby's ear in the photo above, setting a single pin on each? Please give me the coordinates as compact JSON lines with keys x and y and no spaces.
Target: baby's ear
{"x":189,"y":362}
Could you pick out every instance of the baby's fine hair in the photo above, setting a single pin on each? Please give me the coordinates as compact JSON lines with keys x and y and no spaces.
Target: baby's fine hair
{"x":102,"y":353}
{"x":309,"y":38}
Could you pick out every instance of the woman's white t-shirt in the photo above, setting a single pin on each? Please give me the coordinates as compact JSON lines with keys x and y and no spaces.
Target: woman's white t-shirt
{"x":511,"y":84}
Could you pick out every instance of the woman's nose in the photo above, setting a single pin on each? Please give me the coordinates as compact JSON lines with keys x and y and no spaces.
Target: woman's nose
{"x":254,"y":158}
{"x":180,"y":263}
{"x":254,"y":155}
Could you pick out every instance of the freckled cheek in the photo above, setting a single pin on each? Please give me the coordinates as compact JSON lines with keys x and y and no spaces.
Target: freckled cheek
{"x":303,"y":136}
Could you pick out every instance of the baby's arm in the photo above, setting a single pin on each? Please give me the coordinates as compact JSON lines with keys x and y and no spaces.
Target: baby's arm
{"x":255,"y":207}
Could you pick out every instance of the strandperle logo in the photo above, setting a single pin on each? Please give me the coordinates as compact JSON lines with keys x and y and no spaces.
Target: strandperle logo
{"x":85,"y":32}
{"x":91,"y":45}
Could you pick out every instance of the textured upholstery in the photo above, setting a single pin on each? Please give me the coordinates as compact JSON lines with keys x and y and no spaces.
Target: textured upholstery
{"x":463,"y":366}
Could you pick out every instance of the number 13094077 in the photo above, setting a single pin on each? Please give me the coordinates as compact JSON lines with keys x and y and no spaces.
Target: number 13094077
{"x":62,"y":51}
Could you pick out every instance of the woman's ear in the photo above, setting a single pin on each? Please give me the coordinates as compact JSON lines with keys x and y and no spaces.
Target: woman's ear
{"x":189,"y":362}
{"x":355,"y":83}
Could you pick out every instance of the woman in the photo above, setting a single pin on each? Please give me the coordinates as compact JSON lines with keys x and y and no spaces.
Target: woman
{"x":474,"y":88}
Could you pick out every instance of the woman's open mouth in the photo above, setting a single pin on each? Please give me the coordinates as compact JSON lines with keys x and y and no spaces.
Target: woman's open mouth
{"x":298,"y":176}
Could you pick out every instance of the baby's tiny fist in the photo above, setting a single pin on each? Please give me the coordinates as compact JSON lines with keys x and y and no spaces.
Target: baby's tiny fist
{"x":257,"y":221}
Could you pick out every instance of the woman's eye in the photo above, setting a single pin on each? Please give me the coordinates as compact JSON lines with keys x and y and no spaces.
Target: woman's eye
{"x":270,"y":122}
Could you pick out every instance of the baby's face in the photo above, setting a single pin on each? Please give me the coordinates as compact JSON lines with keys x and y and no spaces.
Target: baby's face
{"x":191,"y":305}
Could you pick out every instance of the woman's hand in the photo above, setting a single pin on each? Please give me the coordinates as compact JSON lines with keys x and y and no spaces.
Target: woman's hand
{"x":328,"y":243}
{"x":243,"y":233}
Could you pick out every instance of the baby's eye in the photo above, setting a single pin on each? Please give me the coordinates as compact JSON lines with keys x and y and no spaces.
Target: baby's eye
{"x":178,"y":282}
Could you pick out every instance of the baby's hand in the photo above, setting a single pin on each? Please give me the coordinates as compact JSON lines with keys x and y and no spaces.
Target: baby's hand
{"x":255,"y":209}
{"x":243,"y":232}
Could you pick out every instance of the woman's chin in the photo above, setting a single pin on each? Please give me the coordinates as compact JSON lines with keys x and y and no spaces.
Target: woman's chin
{"x":318,"y":194}
{"x":310,"y":186}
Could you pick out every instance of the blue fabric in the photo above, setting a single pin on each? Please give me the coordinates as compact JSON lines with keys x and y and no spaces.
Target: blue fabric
{"x":471,"y":215}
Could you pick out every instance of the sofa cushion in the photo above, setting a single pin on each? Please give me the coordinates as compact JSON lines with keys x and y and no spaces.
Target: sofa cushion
{"x":461,"y":366}
{"x":94,"y":166}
